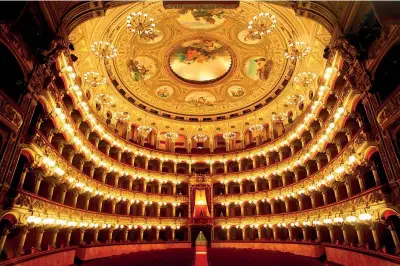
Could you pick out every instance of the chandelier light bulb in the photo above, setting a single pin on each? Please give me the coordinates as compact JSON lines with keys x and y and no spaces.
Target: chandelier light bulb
{"x":139,"y":23}
{"x":103,"y":50}
{"x":261,"y":25}
{"x":94,"y":78}
{"x":297,"y":50}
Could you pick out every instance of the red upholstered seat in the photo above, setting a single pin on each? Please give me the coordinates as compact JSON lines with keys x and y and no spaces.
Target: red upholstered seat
{"x":169,"y":257}
{"x":256,"y":257}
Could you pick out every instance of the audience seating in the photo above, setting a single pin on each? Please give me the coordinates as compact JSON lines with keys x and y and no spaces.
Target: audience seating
{"x":256,"y":257}
{"x":167,"y":257}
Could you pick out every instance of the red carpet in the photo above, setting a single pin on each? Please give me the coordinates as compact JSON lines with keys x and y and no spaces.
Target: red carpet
{"x":201,"y":256}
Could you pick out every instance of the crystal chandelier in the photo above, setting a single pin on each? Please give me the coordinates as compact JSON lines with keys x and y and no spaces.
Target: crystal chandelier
{"x":262,"y":24}
{"x":171,"y":135}
{"x":305,"y":78}
{"x":297,"y":50}
{"x":144,"y":130}
{"x":94,"y":78}
{"x":139,"y":23}
{"x":278,"y":117}
{"x":122,"y":116}
{"x":256,"y":129}
{"x":229,"y":135}
{"x":200,"y":137}
{"x":294,"y":99}
{"x":103,"y":50}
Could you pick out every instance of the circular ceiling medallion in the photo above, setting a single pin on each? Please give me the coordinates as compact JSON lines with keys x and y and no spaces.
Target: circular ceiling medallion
{"x":236,"y":91}
{"x":258,"y":67}
{"x":142,"y":68}
{"x":200,"y":61}
{"x":164,"y":92}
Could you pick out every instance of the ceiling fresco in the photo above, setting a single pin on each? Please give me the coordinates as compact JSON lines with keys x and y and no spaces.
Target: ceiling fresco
{"x":198,"y":62}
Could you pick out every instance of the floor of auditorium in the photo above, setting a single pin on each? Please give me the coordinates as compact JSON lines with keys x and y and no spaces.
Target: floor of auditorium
{"x":203,"y":256}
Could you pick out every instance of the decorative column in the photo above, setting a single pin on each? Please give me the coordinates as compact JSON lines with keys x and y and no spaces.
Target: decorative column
{"x":226,"y":188}
{"x":359,"y":235}
{"x":336,"y":191}
{"x":125,"y":236}
{"x":269,"y":183}
{"x":374,"y":231}
{"x":161,"y":165}
{"x":211,"y":168}
{"x":74,"y":198}
{"x":39,"y":238}
{"x":305,"y":233}
{"x":113,"y":203}
{"x":225,"y":167}
{"x":173,"y":188}
{"x":158,"y":234}
{"x":91,"y":170}
{"x":173,"y":234}
{"x":345,"y":238}
{"x":68,"y":237}
{"x":130,"y":183}
{"x":96,"y":236}
{"x":242,"y":210}
{"x":3,"y":239}
{"x":173,"y":210}
{"x":24,"y":232}
{"x":318,"y":231}
{"x":190,"y":168}
{"x":144,"y":185}
{"x":110,"y":234}
{"x":51,"y":191}
{"x":253,"y":159}
{"x":158,"y":209}
{"x":361,"y":182}
{"x":175,"y":167}
{"x":87,"y":201}
{"x":375,"y":174}
{"x":259,"y":232}
{"x":241,"y":184}
{"x":255,"y":185}
{"x":331,"y":234}
{"x":395,"y":238}
{"x":272,"y":204}
{"x":146,"y":163}
{"x":141,"y":230}
{"x":22,"y":179}
{"x":244,"y":233}
{"x":39,"y":179}
{"x":290,"y":230}
{"x":81,"y":235}
{"x":324,"y":196}
{"x":257,"y":208}
{"x":100,"y":204}
{"x":348,"y":188}
{"x":228,"y":235}
{"x":275,"y":232}
{"x":54,"y":232}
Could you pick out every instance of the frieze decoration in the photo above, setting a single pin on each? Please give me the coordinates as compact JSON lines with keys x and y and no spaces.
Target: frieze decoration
{"x":9,"y":114}
{"x":390,"y":111}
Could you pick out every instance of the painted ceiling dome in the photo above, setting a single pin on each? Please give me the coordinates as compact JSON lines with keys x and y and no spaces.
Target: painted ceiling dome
{"x":199,"y":64}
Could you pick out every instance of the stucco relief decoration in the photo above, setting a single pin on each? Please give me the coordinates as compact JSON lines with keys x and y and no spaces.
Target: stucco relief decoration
{"x":201,"y":18}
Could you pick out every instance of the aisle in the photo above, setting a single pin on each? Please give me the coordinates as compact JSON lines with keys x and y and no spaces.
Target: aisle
{"x":201,"y":256}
